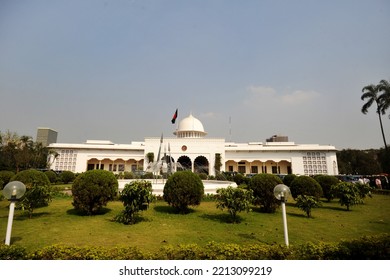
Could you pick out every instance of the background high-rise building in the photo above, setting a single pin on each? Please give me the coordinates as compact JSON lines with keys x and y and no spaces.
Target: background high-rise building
{"x":46,"y":136}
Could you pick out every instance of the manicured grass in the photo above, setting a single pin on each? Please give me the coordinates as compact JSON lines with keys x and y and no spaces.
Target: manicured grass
{"x":59,"y":224}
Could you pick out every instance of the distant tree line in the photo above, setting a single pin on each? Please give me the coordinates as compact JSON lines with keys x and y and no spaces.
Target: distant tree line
{"x":19,"y":153}
{"x":363,"y":162}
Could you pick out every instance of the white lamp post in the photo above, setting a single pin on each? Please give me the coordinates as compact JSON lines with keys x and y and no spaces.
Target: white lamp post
{"x":282,"y":192}
{"x":12,"y":191}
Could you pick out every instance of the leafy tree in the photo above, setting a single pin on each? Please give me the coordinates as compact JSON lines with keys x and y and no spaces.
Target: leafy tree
{"x":38,"y":189}
{"x":234,"y":200}
{"x":183,"y":189}
{"x":326,"y":182}
{"x":136,"y":197}
{"x":67,"y":176}
{"x":21,"y":153}
{"x":364,"y":190}
{"x":306,"y":203}
{"x":370,"y":93}
{"x":352,"y":161}
{"x":93,"y":189}
{"x":263,"y":186}
{"x":218,"y":163}
{"x":305,"y":185}
{"x":348,"y":194}
{"x":384,"y":98}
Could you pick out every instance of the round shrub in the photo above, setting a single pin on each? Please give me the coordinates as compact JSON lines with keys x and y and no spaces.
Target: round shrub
{"x":6,"y":176}
{"x":288,"y":179}
{"x":305,"y":185}
{"x":183,"y":189}
{"x":67,"y":176}
{"x":51,"y":175}
{"x":38,"y":189}
{"x":326,"y":182}
{"x":263,"y":186}
{"x":93,"y":189}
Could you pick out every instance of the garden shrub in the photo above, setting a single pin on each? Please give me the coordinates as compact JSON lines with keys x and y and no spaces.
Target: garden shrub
{"x":5,"y":176}
{"x":326,"y":182}
{"x":136,"y":197}
{"x":263,"y":186}
{"x":38,"y":189}
{"x":202,"y":176}
{"x":305,"y":185}
{"x":239,"y":179}
{"x":183,"y":189}
{"x":67,"y":177}
{"x":51,"y":175}
{"x":288,"y":179}
{"x":306,"y":203}
{"x":68,"y":252}
{"x":12,"y":252}
{"x":365,"y":248}
{"x":93,"y":189}
{"x":348,"y":194}
{"x":234,"y":200}
{"x":364,"y":190}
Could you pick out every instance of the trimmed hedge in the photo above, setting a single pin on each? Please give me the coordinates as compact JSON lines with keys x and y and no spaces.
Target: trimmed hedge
{"x":366,"y":248}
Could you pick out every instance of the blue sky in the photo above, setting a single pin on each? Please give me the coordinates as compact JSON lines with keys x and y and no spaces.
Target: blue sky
{"x":117,"y":70}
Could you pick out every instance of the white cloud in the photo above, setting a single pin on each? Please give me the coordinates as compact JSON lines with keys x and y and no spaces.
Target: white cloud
{"x":299,"y":96}
{"x":260,"y":94}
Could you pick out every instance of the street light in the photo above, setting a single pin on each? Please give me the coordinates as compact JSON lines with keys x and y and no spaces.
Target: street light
{"x":282,"y":192}
{"x":13,"y":191}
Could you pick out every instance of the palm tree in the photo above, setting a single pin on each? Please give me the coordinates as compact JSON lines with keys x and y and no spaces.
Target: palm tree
{"x":384,"y":98}
{"x":370,"y":92}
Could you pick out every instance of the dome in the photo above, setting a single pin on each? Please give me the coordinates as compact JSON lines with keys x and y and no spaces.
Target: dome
{"x":190,"y":127}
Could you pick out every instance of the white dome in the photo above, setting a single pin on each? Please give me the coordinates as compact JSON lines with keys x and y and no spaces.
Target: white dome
{"x":190,"y":127}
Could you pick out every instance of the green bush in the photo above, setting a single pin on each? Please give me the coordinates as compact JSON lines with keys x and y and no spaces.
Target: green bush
{"x":202,"y":176}
{"x":348,"y":194}
{"x":128,"y":175}
{"x":234,"y":200}
{"x":263,"y":186}
{"x":364,"y":190}
{"x":5,"y":176}
{"x":38,"y":189}
{"x":306,"y":203}
{"x":365,"y":248}
{"x":51,"y":175}
{"x":68,"y":252}
{"x":183,"y":189}
{"x":67,"y":177}
{"x":92,"y":190}
{"x":12,"y":252}
{"x":136,"y":197}
{"x":288,"y":179}
{"x":305,"y":185}
{"x":326,"y":182}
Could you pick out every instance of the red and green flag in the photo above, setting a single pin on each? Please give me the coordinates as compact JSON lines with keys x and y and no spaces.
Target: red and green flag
{"x":174,"y":117}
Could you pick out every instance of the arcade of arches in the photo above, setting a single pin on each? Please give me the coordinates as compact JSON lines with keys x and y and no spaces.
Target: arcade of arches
{"x":199,"y":165}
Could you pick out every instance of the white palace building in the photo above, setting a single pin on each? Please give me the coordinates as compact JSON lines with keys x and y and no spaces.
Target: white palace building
{"x":191,"y":149}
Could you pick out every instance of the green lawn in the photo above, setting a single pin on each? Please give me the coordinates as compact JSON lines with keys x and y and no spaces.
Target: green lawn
{"x":58,"y":224}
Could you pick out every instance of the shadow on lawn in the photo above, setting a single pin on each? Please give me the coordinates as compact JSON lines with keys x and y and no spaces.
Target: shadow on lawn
{"x":25,"y":215}
{"x":222,"y":218}
{"x":170,"y":210}
{"x":76,"y":212}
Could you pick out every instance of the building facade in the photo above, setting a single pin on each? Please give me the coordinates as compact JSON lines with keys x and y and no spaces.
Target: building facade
{"x":191,"y":149}
{"x":46,"y":136}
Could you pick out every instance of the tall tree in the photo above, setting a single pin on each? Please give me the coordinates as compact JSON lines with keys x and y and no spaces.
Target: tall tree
{"x":384,"y":97}
{"x":370,"y":93}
